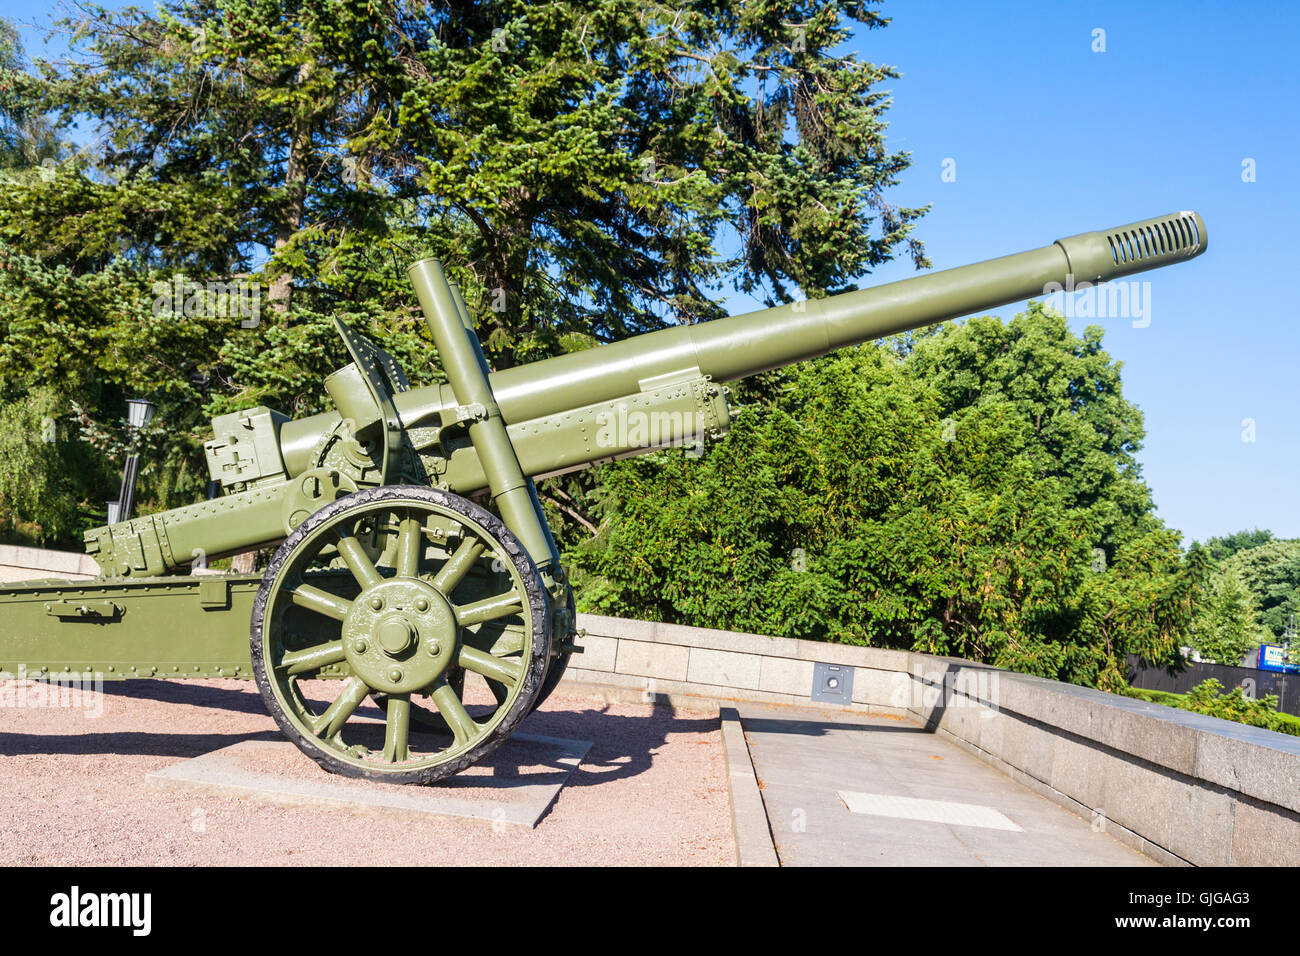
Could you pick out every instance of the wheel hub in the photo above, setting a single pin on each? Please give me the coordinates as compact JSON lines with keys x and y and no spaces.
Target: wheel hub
{"x":396,"y":635}
{"x":400,"y":636}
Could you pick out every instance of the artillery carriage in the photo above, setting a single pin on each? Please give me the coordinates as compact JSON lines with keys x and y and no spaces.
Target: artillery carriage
{"x":389,"y":583}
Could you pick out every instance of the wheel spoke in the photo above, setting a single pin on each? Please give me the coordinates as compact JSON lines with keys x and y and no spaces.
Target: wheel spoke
{"x":397,"y":728}
{"x":503,"y":671}
{"x":499,"y":691}
{"x":458,"y":565}
{"x":358,"y":562}
{"x":410,"y":547}
{"x":489,"y":609}
{"x":311,"y":659}
{"x":336,"y":715}
{"x":322,"y":602}
{"x":498,"y":641}
{"x":462,"y":725}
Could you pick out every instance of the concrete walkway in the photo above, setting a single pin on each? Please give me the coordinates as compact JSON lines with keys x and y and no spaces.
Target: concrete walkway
{"x":843,"y":789}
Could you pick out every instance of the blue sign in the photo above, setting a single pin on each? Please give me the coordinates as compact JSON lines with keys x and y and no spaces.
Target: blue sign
{"x":1272,"y":657}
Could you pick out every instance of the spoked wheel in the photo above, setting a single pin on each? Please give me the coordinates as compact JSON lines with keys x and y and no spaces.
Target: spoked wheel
{"x":405,"y":595}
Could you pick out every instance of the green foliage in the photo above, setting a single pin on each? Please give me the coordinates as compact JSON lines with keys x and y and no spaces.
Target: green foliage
{"x":977,"y":498}
{"x":1153,"y":696}
{"x":1229,"y":544}
{"x":1208,"y":698}
{"x":1067,"y":390}
{"x":26,"y":136}
{"x":1224,"y":628}
{"x":46,"y":475}
{"x":1271,"y":572}
{"x":580,"y":166}
{"x":1251,"y":593}
{"x":585,"y":170}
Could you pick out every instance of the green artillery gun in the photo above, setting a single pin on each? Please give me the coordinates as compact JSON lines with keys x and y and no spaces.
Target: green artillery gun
{"x":388,"y":583}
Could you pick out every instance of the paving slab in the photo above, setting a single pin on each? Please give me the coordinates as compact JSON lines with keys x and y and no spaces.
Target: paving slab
{"x":920,"y":800}
{"x":515,"y":785}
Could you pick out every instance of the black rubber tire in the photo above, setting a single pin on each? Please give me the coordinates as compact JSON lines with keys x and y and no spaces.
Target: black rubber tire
{"x":557,"y":665}
{"x":554,"y":673}
{"x":530,"y":684}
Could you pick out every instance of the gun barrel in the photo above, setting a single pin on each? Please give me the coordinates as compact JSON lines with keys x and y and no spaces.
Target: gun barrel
{"x":742,"y":345}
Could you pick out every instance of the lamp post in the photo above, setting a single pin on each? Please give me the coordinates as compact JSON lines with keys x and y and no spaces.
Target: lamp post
{"x":139,"y":413}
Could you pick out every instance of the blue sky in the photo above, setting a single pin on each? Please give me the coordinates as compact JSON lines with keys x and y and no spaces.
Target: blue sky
{"x":1050,"y":138}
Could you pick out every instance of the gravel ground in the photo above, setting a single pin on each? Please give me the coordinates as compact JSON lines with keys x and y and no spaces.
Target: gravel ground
{"x":652,"y":790}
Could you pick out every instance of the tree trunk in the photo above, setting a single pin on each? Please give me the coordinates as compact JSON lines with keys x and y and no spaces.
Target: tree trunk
{"x":500,"y":300}
{"x":295,"y":187}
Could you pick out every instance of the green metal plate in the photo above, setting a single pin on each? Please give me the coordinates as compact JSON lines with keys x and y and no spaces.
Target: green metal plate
{"x":194,"y":626}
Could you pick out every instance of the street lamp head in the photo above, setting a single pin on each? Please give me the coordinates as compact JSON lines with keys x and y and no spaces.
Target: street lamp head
{"x":139,"y":412}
